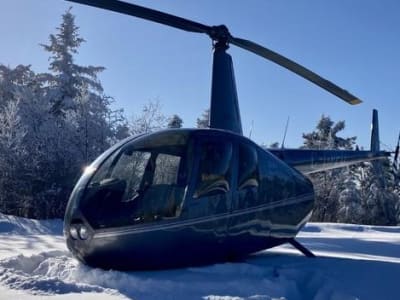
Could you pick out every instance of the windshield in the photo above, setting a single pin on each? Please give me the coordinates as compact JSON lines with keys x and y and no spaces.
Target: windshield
{"x":142,"y":182}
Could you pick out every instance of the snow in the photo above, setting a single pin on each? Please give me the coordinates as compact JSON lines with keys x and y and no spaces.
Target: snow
{"x":354,"y":262}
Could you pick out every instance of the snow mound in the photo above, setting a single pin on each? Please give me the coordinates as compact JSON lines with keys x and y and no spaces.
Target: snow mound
{"x":17,"y":225}
{"x":56,"y":272}
{"x":353,"y":262}
{"x":47,"y":273}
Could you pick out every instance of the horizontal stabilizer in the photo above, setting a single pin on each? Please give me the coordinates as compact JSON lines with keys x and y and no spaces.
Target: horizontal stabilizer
{"x":312,"y":161}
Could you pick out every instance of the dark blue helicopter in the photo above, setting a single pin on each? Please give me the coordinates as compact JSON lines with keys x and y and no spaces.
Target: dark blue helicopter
{"x":185,"y":197}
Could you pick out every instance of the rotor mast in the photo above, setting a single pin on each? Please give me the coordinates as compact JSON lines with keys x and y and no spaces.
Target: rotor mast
{"x":224,"y":104}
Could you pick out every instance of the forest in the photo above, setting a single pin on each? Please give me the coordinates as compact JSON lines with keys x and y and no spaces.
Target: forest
{"x":55,"y":123}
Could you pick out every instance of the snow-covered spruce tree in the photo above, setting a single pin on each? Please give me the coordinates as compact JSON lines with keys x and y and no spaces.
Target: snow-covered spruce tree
{"x":396,"y":175}
{"x":85,"y":123}
{"x":51,"y":125}
{"x":379,"y":192}
{"x":274,"y":145}
{"x":23,"y":116}
{"x":11,"y":152}
{"x":92,"y":129}
{"x":329,"y":184}
{"x":118,"y":124}
{"x":351,"y":209}
{"x":67,"y":79}
{"x":33,"y":160}
{"x":76,"y":95}
{"x":325,"y":136}
{"x":175,"y":122}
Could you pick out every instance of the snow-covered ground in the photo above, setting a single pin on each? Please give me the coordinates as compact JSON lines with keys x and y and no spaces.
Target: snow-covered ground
{"x":354,"y":262}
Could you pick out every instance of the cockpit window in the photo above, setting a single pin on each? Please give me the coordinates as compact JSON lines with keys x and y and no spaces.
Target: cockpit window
{"x":131,"y":167}
{"x":166,"y":171}
{"x":137,"y":185}
{"x":214,"y":167}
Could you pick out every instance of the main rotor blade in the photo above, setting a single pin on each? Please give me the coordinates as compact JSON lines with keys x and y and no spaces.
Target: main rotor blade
{"x":296,"y":68}
{"x":148,"y":14}
{"x":220,"y":33}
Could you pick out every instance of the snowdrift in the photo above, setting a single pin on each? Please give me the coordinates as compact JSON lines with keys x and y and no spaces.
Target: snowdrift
{"x":354,"y":262}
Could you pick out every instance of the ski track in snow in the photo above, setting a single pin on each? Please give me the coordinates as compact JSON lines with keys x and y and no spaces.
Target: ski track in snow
{"x":354,"y":262}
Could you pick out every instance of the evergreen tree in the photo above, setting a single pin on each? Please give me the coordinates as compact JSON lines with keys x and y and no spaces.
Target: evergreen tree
{"x":18,"y":90}
{"x":86,"y":126}
{"x":325,"y":136}
{"x":92,"y":127}
{"x":204,"y":120}
{"x":51,"y":125}
{"x":118,"y":125}
{"x":274,"y":145}
{"x":79,"y":109}
{"x":351,"y":209}
{"x":175,"y":122}
{"x":68,"y":80}
{"x":328,"y":184}
{"x":367,"y":193}
{"x":12,"y":150}
{"x":379,"y":195}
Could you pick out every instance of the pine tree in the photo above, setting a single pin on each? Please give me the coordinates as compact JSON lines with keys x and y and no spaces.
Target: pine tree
{"x":351,"y":209}
{"x":204,"y":120}
{"x":274,"y":145}
{"x":367,"y":193}
{"x":379,"y":195}
{"x":86,"y":126}
{"x":23,"y":116}
{"x":175,"y":122}
{"x":325,"y":136}
{"x":51,"y":125}
{"x":11,"y":149}
{"x":68,"y":79}
{"x":329,"y":184}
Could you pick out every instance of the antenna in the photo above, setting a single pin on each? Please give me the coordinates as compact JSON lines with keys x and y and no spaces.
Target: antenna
{"x":396,"y":154}
{"x":284,"y":135}
{"x":251,"y":128}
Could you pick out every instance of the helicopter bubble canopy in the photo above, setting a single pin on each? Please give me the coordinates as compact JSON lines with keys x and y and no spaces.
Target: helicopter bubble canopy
{"x":127,"y":183}
{"x":150,"y":194}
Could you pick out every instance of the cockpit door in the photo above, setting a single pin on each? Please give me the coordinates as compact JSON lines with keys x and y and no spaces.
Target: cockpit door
{"x":244,"y":220}
{"x":211,"y":183}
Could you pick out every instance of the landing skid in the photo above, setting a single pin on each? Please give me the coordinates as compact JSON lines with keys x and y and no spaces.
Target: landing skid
{"x":301,"y":248}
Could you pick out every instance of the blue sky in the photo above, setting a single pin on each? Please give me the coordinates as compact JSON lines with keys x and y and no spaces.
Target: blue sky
{"x":355,"y":44}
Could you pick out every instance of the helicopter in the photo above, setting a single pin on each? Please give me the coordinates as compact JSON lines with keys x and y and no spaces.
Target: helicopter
{"x":188,"y":197}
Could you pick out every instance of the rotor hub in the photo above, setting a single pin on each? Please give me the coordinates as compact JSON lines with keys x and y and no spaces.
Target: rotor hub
{"x":220,"y":36}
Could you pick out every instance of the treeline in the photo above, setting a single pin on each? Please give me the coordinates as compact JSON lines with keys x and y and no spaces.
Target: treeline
{"x":366,"y":193}
{"x":53,"y":124}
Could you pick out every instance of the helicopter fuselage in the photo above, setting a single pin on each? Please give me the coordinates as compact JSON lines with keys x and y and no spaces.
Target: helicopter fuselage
{"x":188,"y":196}
{"x":184,"y":197}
